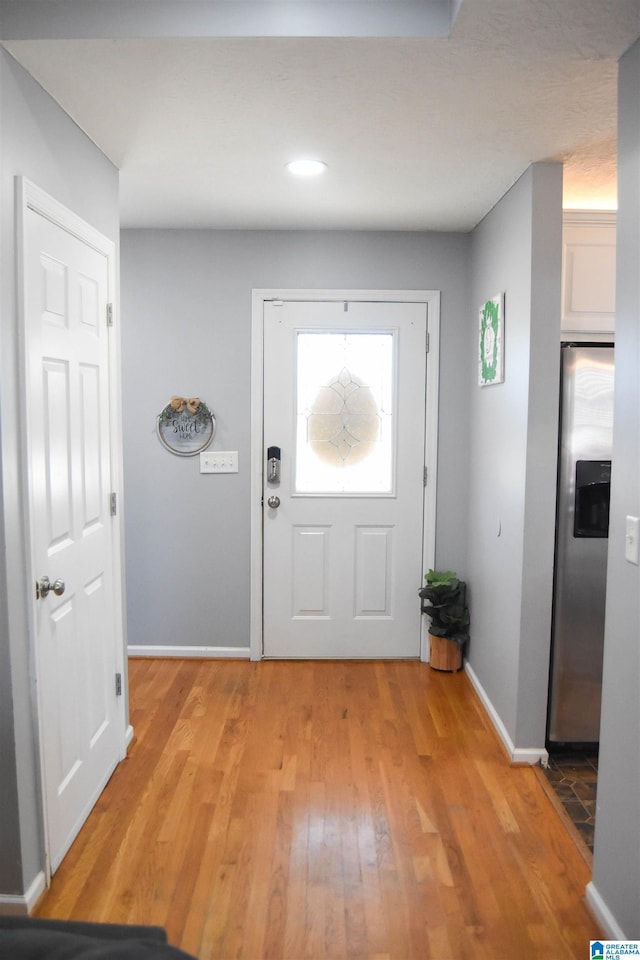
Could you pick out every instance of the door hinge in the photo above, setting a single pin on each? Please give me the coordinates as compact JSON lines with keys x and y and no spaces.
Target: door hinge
{"x":113,"y":507}
{"x":109,"y":314}
{"x":118,"y":684}
{"x":425,"y":476}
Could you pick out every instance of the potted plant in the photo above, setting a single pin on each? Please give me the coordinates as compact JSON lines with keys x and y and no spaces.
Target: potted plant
{"x":444,"y":600}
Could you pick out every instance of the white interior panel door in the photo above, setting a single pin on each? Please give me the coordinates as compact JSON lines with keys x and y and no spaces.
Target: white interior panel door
{"x":344,"y":401}
{"x":68,"y":435}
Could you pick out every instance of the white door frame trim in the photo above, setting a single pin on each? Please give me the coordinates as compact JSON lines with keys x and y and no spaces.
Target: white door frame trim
{"x":432,"y":300}
{"x":31,"y":197}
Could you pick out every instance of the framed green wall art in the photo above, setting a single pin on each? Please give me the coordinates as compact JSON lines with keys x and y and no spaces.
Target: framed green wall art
{"x":491,"y":342}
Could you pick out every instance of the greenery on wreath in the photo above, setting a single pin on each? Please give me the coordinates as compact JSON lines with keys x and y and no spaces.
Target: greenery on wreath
{"x":192,"y":406}
{"x":446,"y":605}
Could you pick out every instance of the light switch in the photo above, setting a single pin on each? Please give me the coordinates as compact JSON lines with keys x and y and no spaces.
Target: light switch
{"x":631,"y":540}
{"x":219,"y":461}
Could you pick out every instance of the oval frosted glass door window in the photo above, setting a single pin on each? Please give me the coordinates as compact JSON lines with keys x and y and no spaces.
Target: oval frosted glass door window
{"x":344,"y":413}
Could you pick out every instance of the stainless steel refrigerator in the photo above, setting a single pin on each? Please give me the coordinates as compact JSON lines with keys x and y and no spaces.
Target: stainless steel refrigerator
{"x":582,"y":525}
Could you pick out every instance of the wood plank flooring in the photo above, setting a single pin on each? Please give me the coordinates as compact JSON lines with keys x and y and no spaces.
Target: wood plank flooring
{"x":316,"y":810}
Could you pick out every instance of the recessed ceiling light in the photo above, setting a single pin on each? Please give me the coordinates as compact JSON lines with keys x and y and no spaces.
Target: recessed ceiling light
{"x":306,"y":168}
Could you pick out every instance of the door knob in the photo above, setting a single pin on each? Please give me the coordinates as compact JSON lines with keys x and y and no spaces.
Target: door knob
{"x":274,"y":502}
{"x":44,"y":587}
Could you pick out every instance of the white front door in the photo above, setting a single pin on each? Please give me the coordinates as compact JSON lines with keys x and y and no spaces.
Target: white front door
{"x":72,"y":531}
{"x":344,"y":400}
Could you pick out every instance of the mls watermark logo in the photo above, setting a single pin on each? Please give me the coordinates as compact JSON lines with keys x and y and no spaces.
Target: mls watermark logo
{"x":614,"y":949}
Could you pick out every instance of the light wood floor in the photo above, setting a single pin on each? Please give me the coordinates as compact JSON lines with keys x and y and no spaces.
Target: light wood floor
{"x":285,"y":811}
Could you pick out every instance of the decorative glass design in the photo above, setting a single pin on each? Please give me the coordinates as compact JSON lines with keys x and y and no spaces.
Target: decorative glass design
{"x":344,"y":438}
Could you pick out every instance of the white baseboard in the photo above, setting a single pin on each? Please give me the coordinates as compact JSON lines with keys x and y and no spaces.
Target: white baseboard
{"x":528,"y":755}
{"x":24,"y":905}
{"x":128,"y":737}
{"x":202,"y":653}
{"x":602,"y":914}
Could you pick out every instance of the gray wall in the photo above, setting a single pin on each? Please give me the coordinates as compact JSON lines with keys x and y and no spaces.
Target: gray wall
{"x":40,"y":142}
{"x":616,"y":869}
{"x":516,"y":250}
{"x":186,"y":315}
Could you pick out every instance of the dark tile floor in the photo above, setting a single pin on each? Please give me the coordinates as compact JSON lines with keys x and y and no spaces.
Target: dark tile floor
{"x":573,"y":774}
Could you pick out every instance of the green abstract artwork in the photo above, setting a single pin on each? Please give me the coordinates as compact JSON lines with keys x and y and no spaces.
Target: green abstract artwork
{"x":491,"y":352}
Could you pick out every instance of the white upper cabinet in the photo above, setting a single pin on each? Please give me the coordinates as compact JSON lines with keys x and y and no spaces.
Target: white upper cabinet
{"x":588,"y":276}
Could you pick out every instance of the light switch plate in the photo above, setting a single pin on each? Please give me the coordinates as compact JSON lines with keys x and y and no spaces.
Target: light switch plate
{"x":631,"y":540}
{"x":219,"y":461}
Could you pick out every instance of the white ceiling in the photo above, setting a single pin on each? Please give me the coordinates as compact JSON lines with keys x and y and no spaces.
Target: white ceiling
{"x":418,"y":132}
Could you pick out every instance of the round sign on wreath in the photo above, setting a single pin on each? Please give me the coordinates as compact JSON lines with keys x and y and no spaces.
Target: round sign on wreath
{"x":186,"y":426}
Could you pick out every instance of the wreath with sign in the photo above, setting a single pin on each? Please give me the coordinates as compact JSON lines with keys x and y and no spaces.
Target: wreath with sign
{"x":186,"y":426}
